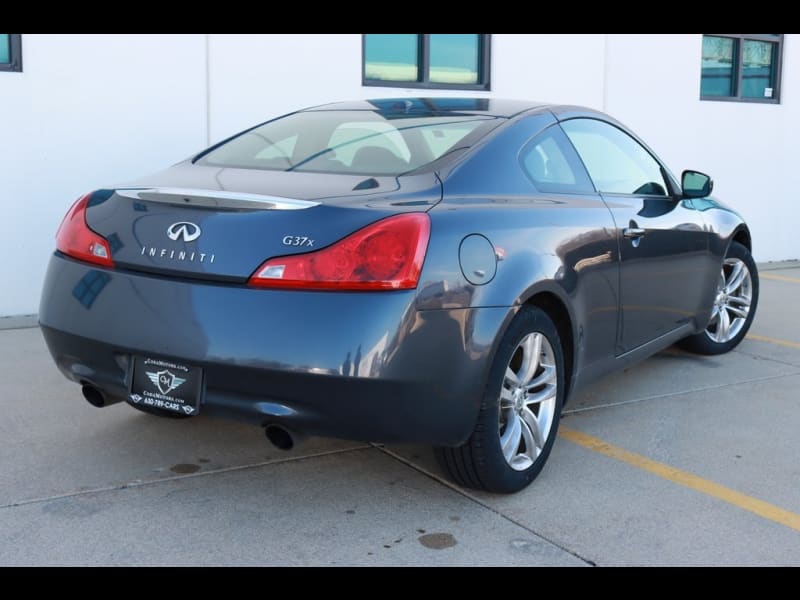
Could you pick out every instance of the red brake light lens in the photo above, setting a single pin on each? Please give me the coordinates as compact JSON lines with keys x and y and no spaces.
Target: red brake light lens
{"x":75,"y":239}
{"x":386,"y":255}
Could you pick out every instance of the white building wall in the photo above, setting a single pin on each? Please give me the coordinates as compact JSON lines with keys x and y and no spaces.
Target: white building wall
{"x":253,"y":78}
{"x":87,"y":111}
{"x":92,"y":110}
{"x":564,"y":69}
{"x":750,"y":149}
{"x":256,"y":77}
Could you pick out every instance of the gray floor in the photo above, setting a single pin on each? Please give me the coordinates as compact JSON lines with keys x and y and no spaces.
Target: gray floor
{"x":83,"y":486}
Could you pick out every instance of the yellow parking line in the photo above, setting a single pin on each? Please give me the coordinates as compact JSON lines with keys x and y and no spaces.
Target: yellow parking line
{"x":778,"y":277}
{"x":763,"y":338}
{"x":753,"y":505}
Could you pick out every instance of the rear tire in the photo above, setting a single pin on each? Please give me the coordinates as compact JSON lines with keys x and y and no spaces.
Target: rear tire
{"x":519,"y":413}
{"x":734,"y":306}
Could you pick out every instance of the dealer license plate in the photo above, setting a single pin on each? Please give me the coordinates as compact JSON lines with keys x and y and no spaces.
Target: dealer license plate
{"x":166,"y":384}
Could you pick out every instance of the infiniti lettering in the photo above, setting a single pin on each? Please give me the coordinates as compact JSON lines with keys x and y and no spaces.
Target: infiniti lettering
{"x":180,"y":255}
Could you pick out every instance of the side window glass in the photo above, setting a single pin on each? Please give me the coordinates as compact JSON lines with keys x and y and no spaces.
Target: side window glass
{"x":552,"y":165}
{"x":616,"y":162}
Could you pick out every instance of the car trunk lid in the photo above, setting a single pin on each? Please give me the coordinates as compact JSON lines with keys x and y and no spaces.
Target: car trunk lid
{"x":222,"y":226}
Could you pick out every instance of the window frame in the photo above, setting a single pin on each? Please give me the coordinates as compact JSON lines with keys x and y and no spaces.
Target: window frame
{"x":739,"y":39}
{"x":14,"y":63}
{"x":424,"y":64}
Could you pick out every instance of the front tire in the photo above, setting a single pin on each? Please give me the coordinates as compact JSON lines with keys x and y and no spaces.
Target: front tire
{"x":519,"y":413}
{"x":734,"y":305}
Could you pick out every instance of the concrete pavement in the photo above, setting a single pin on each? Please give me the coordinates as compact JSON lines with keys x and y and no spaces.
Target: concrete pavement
{"x":86,"y":486}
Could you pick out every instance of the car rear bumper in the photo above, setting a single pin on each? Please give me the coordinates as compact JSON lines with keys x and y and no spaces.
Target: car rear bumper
{"x":361,"y":366}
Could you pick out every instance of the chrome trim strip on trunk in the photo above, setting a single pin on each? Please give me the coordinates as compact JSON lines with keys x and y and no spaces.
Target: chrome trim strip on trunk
{"x":215,"y":198}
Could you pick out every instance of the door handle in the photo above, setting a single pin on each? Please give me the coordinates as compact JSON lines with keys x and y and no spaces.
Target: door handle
{"x":633,"y":232}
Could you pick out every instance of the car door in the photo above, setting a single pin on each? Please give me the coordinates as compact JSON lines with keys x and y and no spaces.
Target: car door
{"x":663,"y":245}
{"x":587,"y":246}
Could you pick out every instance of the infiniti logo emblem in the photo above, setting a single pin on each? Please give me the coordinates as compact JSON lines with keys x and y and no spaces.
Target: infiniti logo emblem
{"x":188,"y":232}
{"x":183,"y":229}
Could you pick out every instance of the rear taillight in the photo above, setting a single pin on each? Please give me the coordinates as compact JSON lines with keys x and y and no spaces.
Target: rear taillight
{"x":75,"y":239}
{"x":386,"y":255}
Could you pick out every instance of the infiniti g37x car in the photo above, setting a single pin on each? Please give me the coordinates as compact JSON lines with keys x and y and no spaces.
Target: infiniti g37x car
{"x":447,"y":271}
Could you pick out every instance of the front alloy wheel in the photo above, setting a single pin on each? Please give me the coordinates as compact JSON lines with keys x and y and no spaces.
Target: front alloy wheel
{"x":734,"y":305}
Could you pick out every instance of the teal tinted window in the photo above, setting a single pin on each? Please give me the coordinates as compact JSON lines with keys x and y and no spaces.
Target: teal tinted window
{"x":5,"y":50}
{"x":454,"y":57}
{"x":719,"y":68}
{"x":741,"y":67}
{"x":758,"y":69}
{"x":10,"y":52}
{"x":391,"y":56}
{"x":427,"y":60}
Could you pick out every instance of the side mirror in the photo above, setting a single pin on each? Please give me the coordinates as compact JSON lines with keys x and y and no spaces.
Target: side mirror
{"x":695,"y":184}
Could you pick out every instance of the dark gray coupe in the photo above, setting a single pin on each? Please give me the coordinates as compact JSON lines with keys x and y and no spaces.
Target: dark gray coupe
{"x":438,"y":270}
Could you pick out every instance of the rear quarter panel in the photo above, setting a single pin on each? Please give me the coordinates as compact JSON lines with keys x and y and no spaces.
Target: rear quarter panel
{"x":560,"y":244}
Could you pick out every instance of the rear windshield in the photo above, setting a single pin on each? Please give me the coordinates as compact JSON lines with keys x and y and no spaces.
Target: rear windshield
{"x":353,"y":142}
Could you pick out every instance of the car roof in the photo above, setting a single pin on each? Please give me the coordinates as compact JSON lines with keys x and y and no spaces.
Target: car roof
{"x":388,"y":107}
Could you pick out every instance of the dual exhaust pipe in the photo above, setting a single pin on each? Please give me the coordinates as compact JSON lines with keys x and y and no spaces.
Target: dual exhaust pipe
{"x":94,"y":396}
{"x":279,"y":436}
